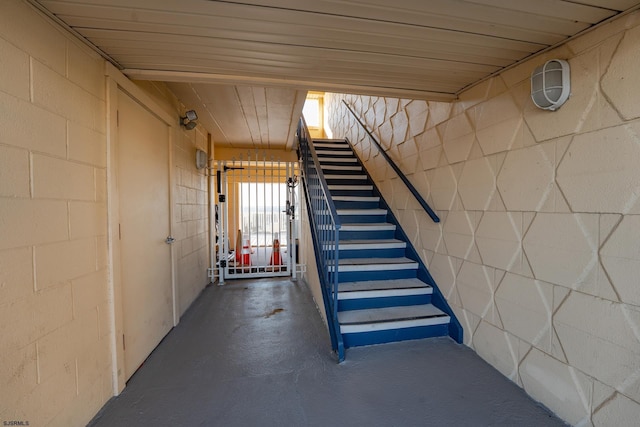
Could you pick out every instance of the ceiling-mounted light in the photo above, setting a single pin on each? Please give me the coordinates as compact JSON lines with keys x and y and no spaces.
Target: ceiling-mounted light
{"x":189,"y":120}
{"x":551,"y":84}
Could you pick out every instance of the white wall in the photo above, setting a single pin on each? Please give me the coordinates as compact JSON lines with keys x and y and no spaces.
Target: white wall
{"x":56,"y":331}
{"x":310,"y":276}
{"x":537,"y":251}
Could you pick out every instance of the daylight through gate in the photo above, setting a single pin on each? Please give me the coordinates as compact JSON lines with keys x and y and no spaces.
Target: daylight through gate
{"x":257,"y":217}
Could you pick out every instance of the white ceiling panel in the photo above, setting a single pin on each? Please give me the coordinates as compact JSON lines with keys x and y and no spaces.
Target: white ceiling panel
{"x":269,"y":50}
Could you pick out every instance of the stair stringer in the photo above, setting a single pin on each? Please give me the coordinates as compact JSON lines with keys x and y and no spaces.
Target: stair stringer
{"x":438,"y":299}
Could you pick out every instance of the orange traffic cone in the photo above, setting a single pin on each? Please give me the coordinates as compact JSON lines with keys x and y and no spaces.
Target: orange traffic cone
{"x":276,"y":258}
{"x":246,"y":252}
{"x":238,"y":246}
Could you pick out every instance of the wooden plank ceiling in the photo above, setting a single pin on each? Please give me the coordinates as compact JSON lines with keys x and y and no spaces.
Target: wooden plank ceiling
{"x":258,"y":56}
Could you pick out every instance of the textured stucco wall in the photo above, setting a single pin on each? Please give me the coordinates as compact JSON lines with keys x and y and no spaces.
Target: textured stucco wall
{"x":538,"y":249}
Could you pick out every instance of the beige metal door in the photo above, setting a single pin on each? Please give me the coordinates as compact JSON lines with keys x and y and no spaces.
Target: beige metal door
{"x":145,"y":255}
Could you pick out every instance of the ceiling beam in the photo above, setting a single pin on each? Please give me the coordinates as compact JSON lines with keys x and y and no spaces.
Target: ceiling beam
{"x":191,"y":77}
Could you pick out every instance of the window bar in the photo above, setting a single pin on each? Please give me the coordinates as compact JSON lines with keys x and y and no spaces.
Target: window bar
{"x":237,"y":204}
{"x":287,"y":219}
{"x":263,"y":220}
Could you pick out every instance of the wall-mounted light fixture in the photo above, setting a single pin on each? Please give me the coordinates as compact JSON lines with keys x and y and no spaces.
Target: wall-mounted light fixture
{"x":551,"y":84}
{"x":189,"y":120}
{"x":201,"y":159}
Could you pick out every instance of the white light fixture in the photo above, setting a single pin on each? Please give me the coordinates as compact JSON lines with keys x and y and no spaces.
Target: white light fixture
{"x":189,"y":120}
{"x":551,"y":84}
{"x":201,"y":159}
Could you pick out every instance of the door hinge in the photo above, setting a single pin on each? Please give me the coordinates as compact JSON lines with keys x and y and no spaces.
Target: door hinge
{"x":119,"y":232}
{"x":117,"y":117}
{"x":124,"y":345}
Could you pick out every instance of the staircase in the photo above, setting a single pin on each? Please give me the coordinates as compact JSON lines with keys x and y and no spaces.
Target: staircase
{"x":385,"y":293}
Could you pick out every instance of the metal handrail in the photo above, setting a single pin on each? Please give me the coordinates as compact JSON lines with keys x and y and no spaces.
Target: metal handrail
{"x":325,"y":225}
{"x":395,"y":167}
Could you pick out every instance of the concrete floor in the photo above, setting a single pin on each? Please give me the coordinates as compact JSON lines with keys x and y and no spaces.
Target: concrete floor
{"x":256,"y":353}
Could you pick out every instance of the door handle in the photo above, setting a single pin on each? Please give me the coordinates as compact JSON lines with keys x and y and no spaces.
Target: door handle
{"x":169,"y":240}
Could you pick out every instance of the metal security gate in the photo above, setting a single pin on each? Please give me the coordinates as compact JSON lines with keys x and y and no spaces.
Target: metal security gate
{"x":256,"y":214}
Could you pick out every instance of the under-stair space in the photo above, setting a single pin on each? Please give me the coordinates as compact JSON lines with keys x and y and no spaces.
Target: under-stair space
{"x":381,"y":295}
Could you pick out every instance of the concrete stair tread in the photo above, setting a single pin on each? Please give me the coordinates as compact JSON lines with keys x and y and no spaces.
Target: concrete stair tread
{"x":396,"y":314}
{"x":356,"y":187}
{"x":337,"y":159}
{"x":346,"y":177}
{"x":330,"y":152}
{"x":362,"y":211}
{"x":356,"y":198}
{"x":331,"y":143}
{"x":382,"y":285}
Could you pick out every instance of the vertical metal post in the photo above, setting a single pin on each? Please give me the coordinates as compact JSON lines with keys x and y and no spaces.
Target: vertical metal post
{"x":264,"y":208}
{"x":297,"y":212}
{"x":290,"y":223}
{"x":223,"y":249}
{"x":255,"y":208}
{"x":212,"y":208}
{"x":236,"y":190}
{"x":272,"y":222}
{"x":286,"y":224}
{"x":249,"y":188}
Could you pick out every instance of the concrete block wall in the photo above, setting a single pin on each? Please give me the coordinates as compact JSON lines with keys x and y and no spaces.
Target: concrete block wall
{"x":55,"y":324}
{"x":191,"y":217}
{"x":56,"y":320}
{"x":537,"y":251}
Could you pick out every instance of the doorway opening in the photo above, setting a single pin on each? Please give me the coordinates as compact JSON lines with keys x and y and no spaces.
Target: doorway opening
{"x":257,"y":218}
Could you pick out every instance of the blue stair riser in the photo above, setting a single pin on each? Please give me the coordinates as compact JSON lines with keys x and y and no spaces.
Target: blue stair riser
{"x":362,"y":235}
{"x":338,"y":161}
{"x":352,"y":193}
{"x":392,"y":335}
{"x":341,"y":172}
{"x":334,"y":154}
{"x":355,"y":276}
{"x":334,"y":147}
{"x":345,"y":204}
{"x":380,"y":302}
{"x":371,"y":253}
{"x":362,"y":219}
{"x":331,"y":181}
